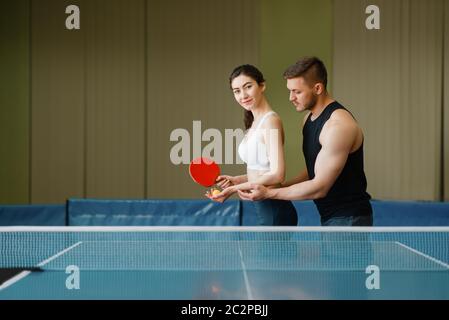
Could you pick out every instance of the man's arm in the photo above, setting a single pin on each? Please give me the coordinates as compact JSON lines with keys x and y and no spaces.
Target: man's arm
{"x":301,"y":177}
{"x":336,"y":141}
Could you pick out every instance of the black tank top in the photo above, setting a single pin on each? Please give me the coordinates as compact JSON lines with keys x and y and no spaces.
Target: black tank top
{"x":348,"y":194}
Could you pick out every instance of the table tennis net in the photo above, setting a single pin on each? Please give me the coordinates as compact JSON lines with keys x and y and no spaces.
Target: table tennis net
{"x":227,"y":248}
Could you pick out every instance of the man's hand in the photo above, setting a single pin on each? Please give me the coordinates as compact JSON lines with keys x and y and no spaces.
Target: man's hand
{"x":255,"y":192}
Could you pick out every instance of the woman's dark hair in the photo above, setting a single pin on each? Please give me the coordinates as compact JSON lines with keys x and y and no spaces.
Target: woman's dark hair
{"x":255,"y":74}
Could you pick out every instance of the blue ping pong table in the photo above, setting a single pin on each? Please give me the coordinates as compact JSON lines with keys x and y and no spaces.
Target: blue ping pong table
{"x":226,"y":263}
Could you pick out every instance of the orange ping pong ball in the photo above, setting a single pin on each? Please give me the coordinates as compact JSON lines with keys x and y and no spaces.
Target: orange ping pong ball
{"x":215,"y":192}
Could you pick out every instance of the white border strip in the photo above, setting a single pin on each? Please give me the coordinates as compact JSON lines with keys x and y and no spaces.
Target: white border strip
{"x":218,"y":229}
{"x":441,"y":263}
{"x":23,"y":274}
{"x":14,"y":279}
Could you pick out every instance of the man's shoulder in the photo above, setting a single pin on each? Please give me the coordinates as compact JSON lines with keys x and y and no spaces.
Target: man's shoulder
{"x":342,"y":130}
{"x":341,"y":118}
{"x":341,"y":124}
{"x":342,"y":115}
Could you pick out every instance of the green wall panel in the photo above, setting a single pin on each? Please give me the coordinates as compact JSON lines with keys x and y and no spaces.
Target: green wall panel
{"x":14,"y":102}
{"x":291,"y":29}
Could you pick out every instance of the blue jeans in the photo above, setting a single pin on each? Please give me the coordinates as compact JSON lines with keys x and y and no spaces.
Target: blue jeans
{"x":348,"y":221}
{"x":346,"y":250}
{"x":272,"y":212}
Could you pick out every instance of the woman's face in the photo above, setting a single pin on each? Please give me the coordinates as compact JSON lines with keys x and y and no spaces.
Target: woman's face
{"x":247,"y":92}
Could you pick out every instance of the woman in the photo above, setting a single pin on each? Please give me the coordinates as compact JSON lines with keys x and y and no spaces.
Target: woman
{"x":261,"y":149}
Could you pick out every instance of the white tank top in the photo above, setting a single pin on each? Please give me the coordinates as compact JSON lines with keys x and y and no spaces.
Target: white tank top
{"x":252,"y":150}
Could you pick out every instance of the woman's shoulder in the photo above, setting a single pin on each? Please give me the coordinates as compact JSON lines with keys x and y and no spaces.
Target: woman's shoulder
{"x":272,"y":120}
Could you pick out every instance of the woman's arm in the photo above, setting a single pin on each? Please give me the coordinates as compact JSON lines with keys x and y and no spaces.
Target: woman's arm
{"x":273,"y":135}
{"x":274,"y":140}
{"x":241,"y":179}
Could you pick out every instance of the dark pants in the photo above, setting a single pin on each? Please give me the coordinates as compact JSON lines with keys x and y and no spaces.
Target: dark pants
{"x":272,"y":212}
{"x":356,"y":213}
{"x":346,"y":251}
{"x":348,"y":221}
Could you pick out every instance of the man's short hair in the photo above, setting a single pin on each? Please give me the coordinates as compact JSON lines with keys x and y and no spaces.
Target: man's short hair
{"x":311,"y":69}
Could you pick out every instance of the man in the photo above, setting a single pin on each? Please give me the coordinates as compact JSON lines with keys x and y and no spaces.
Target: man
{"x":333,"y":150}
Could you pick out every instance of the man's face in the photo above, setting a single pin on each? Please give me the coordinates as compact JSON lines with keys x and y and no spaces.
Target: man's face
{"x":302,"y":95}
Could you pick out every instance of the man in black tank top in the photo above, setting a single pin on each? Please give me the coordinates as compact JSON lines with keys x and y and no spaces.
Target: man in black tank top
{"x":333,"y":150}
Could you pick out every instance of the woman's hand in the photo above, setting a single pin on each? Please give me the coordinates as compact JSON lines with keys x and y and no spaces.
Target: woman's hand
{"x":225,"y":181}
{"x":221,"y":196}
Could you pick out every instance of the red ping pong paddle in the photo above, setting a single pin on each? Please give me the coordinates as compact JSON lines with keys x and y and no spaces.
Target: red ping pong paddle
{"x":204,"y":171}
